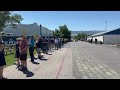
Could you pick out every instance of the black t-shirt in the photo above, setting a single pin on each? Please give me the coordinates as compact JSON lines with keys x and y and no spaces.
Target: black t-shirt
{"x":17,"y":48}
{"x":39,"y":43}
{"x":45,"y":41}
{"x":51,"y":41}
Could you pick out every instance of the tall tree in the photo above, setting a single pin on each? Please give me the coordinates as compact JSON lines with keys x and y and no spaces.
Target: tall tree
{"x":64,"y":32}
{"x":56,"y":33}
{"x":81,"y":36}
{"x":8,"y":18}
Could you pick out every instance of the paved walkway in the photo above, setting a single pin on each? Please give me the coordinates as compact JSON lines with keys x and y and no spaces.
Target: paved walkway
{"x":57,"y":66}
{"x":95,"y":61}
{"x":77,"y":60}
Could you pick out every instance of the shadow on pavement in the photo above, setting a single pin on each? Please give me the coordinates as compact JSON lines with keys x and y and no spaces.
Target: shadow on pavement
{"x":35,"y":63}
{"x":51,"y":51}
{"x":49,"y":54}
{"x":35,"y":58}
{"x":28,"y":73}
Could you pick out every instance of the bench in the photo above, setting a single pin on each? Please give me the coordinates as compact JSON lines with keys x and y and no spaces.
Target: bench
{"x":9,"y":49}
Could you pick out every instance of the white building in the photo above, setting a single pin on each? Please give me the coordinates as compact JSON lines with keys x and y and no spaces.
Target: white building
{"x":108,"y":37}
{"x":28,"y":29}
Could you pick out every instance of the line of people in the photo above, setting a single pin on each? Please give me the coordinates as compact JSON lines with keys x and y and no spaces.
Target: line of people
{"x":41,"y":45}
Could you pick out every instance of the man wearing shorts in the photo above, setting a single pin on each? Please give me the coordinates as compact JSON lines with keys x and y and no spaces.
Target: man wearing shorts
{"x":23,"y":53}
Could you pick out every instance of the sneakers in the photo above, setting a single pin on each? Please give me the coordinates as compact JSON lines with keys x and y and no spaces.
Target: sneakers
{"x":18,"y":65}
{"x":32,"y":61}
{"x":25,"y":69}
{"x":22,"y":68}
{"x":40,"y":57}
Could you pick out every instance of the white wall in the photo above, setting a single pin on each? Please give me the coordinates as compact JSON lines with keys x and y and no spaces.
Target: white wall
{"x":111,"y":39}
{"x":99,"y":38}
{"x":89,"y":38}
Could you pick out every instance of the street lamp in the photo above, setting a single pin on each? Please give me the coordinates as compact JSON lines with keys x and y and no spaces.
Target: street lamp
{"x":40,"y":30}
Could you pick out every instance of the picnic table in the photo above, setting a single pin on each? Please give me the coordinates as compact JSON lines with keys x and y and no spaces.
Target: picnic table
{"x":9,"y":49}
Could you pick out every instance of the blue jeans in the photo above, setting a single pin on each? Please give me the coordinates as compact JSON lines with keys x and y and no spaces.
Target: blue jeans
{"x":31,"y":51}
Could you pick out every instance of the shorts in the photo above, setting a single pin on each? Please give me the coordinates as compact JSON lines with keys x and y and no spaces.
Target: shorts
{"x":23,"y":57}
{"x":38,"y":50}
{"x":2,"y":60}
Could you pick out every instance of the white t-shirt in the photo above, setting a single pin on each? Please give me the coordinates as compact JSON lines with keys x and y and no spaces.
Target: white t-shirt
{"x":56,"y":40}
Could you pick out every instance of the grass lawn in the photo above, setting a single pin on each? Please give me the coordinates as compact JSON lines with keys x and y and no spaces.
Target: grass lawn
{"x":10,"y":59}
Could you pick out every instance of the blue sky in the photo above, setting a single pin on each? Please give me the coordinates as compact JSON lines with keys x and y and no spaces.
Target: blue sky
{"x":75,"y":20}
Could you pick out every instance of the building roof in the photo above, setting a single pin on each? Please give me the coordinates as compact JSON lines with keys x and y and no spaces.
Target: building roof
{"x":110,"y":32}
{"x":101,"y":33}
{"x":28,"y":29}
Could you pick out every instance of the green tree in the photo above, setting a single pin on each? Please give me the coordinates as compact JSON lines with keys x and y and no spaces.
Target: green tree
{"x":64,"y":32}
{"x":8,"y":18}
{"x":75,"y":37}
{"x":80,"y":36}
{"x":56,"y":33}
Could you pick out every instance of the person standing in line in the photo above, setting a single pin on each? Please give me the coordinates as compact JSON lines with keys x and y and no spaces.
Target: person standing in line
{"x":17,"y":54}
{"x":35,"y":42}
{"x":56,"y":43}
{"x":62,"y":41}
{"x":59,"y":42}
{"x":95,"y":40}
{"x":31,"y":48}
{"x":47,"y":45}
{"x":52,"y":42}
{"x":2,"y":58}
{"x":91,"y":41}
{"x":23,"y":53}
{"x":39,"y":46}
{"x":43,"y":45}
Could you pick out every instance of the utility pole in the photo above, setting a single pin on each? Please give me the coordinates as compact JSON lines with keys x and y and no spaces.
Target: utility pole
{"x":106,"y":25}
{"x":40,"y":30}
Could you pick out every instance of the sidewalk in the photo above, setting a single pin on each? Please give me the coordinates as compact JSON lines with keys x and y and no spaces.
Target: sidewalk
{"x":92,"y":61}
{"x":55,"y":66}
